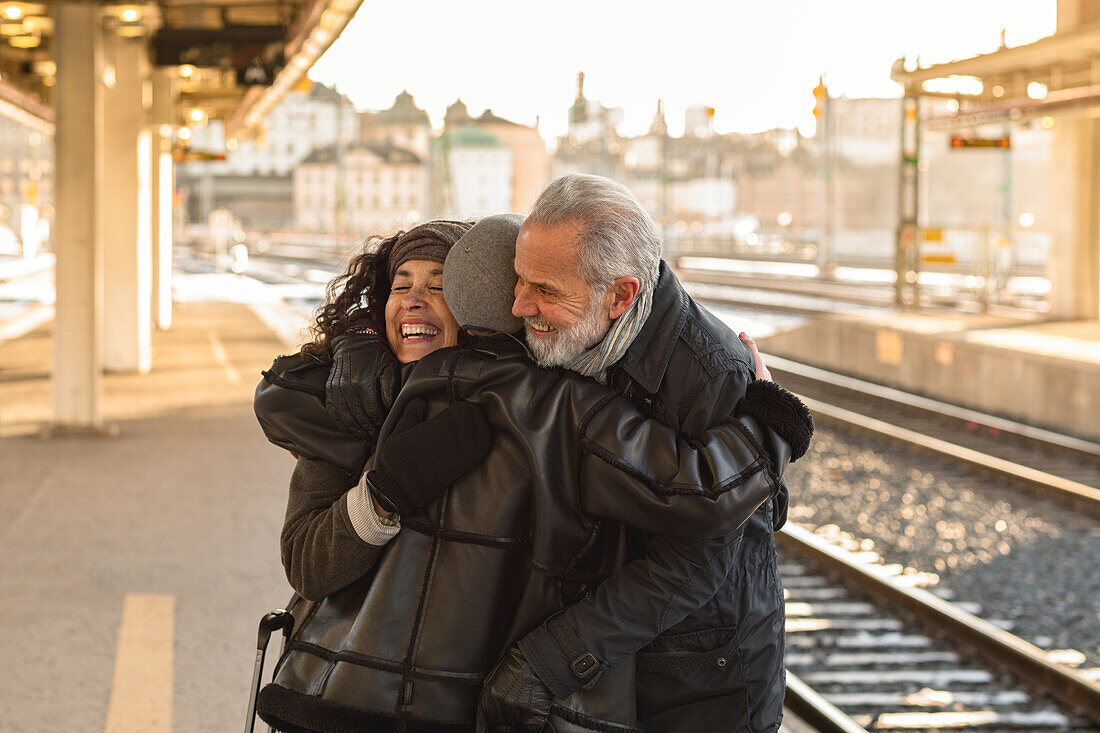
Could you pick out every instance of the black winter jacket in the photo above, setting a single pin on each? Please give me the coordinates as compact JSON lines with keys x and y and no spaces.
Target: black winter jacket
{"x":716,"y":658}
{"x":408,"y":644}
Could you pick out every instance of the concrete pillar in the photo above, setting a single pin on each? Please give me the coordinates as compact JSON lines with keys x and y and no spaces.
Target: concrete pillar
{"x":163,"y":187}
{"x":78,"y":150}
{"x":1072,"y":13}
{"x":1074,"y":268}
{"x":1074,"y":190}
{"x":127,"y":322}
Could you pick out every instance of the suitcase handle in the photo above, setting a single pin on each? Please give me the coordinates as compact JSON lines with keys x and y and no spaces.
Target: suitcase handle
{"x":273,"y":621}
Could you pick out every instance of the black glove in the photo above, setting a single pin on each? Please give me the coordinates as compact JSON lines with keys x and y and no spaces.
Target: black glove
{"x":514,"y":695}
{"x":422,"y":457}
{"x":362,"y":384}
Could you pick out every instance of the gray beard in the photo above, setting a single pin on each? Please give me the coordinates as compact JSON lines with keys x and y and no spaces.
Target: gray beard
{"x":567,"y":344}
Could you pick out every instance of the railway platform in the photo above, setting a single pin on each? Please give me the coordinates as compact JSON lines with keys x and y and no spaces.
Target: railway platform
{"x":136,"y":567}
{"x":1041,"y":373}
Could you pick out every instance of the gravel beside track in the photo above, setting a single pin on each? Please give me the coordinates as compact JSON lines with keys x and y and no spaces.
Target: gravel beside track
{"x":1027,"y":561}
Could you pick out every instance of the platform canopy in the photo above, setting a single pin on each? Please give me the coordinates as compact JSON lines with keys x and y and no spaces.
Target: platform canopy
{"x":235,"y":58}
{"x":1058,"y":73}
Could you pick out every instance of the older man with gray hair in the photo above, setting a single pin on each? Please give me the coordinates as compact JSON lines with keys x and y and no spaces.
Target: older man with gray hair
{"x":705,"y":618}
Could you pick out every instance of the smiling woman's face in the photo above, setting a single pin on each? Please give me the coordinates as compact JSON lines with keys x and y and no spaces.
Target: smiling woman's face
{"x":417,"y":320}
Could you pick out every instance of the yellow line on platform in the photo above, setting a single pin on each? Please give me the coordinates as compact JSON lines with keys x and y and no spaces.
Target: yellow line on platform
{"x":222,"y":357}
{"x":141,"y":691}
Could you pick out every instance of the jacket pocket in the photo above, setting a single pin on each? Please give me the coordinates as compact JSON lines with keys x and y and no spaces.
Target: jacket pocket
{"x":691,"y":681}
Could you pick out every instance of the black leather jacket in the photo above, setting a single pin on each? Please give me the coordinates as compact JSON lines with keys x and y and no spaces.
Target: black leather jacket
{"x":710,"y":637}
{"x":410,"y":642}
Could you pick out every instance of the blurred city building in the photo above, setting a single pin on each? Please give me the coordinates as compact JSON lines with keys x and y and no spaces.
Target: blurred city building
{"x":591,"y":143}
{"x":829,"y":199}
{"x":255,"y":181}
{"x":472,"y":174}
{"x":699,"y":121}
{"x":366,"y":166}
{"x":363,"y":190}
{"x":530,"y":161}
{"x":403,"y":125}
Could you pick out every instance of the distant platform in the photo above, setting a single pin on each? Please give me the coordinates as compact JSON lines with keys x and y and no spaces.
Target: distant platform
{"x":1041,"y":373}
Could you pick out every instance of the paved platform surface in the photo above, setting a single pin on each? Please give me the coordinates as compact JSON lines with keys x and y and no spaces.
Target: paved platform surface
{"x":177,"y":520}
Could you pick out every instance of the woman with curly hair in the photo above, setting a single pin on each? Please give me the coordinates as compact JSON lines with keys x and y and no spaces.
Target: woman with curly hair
{"x":386,"y":310}
{"x":408,"y":265}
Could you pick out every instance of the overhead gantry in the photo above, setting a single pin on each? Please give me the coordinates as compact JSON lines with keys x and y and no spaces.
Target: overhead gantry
{"x":1057,"y":77}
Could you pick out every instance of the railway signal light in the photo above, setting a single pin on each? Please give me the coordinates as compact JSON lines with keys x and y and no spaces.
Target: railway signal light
{"x":821,"y":93}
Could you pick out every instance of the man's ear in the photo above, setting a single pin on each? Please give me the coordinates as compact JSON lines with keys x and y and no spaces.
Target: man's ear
{"x":623,"y":292}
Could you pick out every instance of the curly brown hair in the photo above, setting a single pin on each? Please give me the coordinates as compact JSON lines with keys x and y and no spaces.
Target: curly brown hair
{"x":358,"y":296}
{"x":355,"y":298}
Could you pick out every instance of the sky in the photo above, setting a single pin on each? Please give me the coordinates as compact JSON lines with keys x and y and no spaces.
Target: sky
{"x":754,"y":61}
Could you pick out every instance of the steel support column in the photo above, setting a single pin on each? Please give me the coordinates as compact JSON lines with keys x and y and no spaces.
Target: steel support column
{"x":907,"y":251}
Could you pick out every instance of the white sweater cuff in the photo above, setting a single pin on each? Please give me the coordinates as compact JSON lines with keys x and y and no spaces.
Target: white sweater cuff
{"x":365,"y":520}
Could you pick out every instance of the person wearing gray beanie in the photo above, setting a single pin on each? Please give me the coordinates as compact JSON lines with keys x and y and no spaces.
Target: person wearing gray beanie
{"x":479,"y":280}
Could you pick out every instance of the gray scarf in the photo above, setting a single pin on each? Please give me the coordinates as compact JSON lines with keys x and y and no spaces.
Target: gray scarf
{"x":597,"y":359}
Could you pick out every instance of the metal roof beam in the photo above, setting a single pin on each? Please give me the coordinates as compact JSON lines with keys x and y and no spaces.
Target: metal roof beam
{"x":1059,"y":49}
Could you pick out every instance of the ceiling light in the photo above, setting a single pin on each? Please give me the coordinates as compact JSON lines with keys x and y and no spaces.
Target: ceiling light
{"x":184,"y":133}
{"x":1036,"y":90}
{"x":25,"y":41}
{"x":13,"y":12}
{"x":187,"y":71}
{"x":129,"y":15}
{"x":197,"y":115}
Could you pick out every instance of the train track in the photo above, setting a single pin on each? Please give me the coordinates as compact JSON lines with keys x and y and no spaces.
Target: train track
{"x":859,"y":657}
{"x":759,"y":277}
{"x":853,"y":654}
{"x":1055,"y":465}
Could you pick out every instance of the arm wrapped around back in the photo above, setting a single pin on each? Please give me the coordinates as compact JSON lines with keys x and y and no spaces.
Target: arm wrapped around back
{"x":643,"y":473}
{"x":290,"y":406}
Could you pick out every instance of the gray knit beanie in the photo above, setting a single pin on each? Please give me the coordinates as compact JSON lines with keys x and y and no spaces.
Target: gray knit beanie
{"x":479,"y":276}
